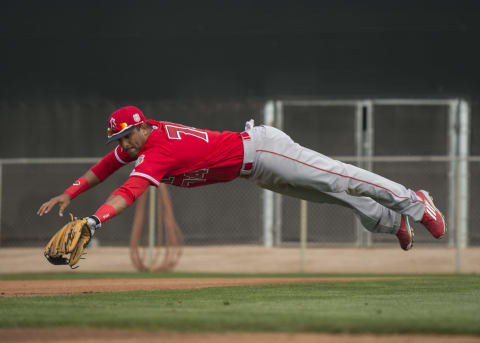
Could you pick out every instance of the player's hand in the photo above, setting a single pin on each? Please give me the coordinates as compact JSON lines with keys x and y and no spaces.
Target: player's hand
{"x":63,"y":200}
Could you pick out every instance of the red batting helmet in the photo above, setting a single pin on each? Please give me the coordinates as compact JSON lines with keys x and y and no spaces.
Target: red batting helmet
{"x":122,"y":121}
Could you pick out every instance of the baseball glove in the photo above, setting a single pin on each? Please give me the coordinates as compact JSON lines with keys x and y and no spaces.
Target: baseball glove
{"x":69,"y":243}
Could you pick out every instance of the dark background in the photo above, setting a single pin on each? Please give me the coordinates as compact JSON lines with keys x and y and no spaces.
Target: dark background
{"x":66,"y":65}
{"x":153,"y":50}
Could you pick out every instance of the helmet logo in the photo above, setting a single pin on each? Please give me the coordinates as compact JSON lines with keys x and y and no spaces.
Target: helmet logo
{"x":136,"y":117}
{"x":112,"y":124}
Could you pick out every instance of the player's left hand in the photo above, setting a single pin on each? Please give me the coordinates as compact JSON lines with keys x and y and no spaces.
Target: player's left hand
{"x":68,"y":245}
{"x":63,"y":200}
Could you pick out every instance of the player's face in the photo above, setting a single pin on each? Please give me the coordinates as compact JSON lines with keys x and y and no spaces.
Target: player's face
{"x":134,"y":141}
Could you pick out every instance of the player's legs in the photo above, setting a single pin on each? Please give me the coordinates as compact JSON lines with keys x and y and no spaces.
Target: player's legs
{"x":373,"y":216}
{"x":281,"y":164}
{"x":377,"y":218}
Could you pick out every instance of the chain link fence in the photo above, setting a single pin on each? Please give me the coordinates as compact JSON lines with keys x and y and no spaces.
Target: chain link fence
{"x":217,"y":214}
{"x":232,"y":213}
{"x":474,"y":214}
{"x":413,"y":142}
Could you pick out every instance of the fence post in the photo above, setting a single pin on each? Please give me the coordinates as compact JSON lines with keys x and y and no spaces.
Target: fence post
{"x":364,"y":148}
{"x":452,"y":135}
{"x":277,"y":214}
{"x":268,"y":196}
{"x":303,"y":233}
{"x":462,"y":193}
{"x":151,"y":227}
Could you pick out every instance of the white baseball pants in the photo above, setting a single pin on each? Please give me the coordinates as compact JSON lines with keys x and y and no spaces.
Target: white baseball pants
{"x":283,"y":166}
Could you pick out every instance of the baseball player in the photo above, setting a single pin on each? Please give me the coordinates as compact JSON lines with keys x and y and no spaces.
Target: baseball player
{"x":189,"y":157}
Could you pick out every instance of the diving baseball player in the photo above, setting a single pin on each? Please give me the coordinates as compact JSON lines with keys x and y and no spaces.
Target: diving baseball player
{"x":184,"y":156}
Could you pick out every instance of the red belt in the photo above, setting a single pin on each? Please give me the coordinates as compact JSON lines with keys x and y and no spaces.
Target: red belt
{"x":246,"y":167}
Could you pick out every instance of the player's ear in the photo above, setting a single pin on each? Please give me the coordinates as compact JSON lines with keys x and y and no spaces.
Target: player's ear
{"x":144,"y":130}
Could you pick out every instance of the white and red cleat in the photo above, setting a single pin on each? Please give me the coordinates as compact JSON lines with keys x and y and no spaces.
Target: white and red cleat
{"x":432,"y":219}
{"x":405,"y":234}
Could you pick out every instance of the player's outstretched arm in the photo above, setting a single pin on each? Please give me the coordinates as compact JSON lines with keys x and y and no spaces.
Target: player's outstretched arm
{"x":120,"y":199}
{"x":118,"y":203}
{"x":87,"y":181}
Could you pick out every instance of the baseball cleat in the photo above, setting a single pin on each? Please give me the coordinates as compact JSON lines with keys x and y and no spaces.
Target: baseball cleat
{"x":432,"y":219}
{"x":405,"y":234}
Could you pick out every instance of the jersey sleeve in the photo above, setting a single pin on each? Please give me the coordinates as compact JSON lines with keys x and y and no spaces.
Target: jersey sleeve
{"x":132,"y":189}
{"x":151,"y":167}
{"x":111,"y":163}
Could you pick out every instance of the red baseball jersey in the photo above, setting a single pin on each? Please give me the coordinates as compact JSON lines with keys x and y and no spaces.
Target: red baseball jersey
{"x":187,"y":157}
{"x":180,"y":155}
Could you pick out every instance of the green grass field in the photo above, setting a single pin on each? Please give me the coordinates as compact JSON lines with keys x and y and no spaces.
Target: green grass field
{"x":447,"y":304}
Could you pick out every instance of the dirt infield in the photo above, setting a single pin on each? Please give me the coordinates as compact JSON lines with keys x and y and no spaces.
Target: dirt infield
{"x":10,"y":288}
{"x":124,"y":336}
